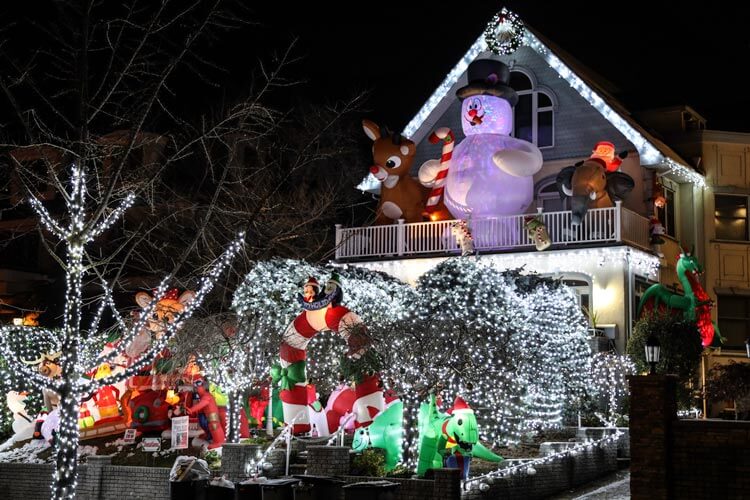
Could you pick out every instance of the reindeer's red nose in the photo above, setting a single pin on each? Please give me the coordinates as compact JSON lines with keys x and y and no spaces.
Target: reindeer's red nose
{"x":374,"y":169}
{"x":472,"y":113}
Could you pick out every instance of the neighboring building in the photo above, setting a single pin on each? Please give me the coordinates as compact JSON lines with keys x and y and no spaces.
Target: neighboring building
{"x":721,"y":227}
{"x":565,"y":111}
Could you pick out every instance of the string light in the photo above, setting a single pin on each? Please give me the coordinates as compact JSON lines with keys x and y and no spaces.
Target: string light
{"x":514,"y":346}
{"x":584,"y":261}
{"x":609,"y":373}
{"x":525,"y":467}
{"x":649,"y":153}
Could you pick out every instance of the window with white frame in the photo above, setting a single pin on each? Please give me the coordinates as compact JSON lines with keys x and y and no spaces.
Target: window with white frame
{"x":533,"y":116}
{"x":730,"y":216}
{"x":666,"y":214}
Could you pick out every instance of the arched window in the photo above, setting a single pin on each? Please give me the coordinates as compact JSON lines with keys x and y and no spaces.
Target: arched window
{"x":534,"y":118}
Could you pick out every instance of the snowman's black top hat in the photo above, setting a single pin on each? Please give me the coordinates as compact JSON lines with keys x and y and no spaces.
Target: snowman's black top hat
{"x":488,"y":77}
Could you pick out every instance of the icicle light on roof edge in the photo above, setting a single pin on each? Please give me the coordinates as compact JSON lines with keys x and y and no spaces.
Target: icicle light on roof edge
{"x":649,"y":154}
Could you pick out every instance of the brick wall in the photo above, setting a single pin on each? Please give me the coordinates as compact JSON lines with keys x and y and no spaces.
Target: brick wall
{"x":710,"y":459}
{"x":328,"y":460}
{"x":652,"y":407}
{"x":134,"y":482}
{"x":25,"y":481}
{"x":96,"y":480}
{"x":674,"y":458}
{"x":234,"y":457}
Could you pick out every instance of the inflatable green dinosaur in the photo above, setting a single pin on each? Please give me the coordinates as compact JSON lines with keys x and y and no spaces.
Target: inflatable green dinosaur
{"x":384,"y":432}
{"x":449,"y":440}
{"x":695,"y":305}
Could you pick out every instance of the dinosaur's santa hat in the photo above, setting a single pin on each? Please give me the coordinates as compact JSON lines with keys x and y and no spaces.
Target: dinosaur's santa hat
{"x":460,"y":406}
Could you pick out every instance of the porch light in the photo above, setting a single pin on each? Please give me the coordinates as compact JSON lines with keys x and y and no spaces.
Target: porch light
{"x":653,"y":349}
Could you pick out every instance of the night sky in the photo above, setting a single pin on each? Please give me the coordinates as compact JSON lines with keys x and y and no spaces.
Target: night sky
{"x":400,"y":51}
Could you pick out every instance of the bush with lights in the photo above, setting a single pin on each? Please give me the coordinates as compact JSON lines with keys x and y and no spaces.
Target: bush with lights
{"x":512,"y":345}
{"x":267,"y":299}
{"x":609,"y":387}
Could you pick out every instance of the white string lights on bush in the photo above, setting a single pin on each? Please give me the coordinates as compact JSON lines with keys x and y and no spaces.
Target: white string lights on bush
{"x":513,"y":346}
{"x":609,"y":373}
{"x":267,"y":298}
{"x":80,"y":347}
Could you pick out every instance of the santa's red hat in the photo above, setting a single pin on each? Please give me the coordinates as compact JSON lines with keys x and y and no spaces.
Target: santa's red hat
{"x":459,"y":405}
{"x":311,"y":281}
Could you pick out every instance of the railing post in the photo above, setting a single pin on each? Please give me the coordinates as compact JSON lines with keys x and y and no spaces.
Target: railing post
{"x":618,"y":220}
{"x":338,"y":241}
{"x":400,"y":237}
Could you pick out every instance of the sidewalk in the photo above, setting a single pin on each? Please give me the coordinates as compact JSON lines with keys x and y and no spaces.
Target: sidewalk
{"x":613,"y":487}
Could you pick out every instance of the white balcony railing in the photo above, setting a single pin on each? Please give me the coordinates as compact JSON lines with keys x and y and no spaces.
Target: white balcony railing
{"x":600,"y":226}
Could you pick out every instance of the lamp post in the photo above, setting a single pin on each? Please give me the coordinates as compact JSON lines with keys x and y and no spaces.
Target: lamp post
{"x":653,"y":351}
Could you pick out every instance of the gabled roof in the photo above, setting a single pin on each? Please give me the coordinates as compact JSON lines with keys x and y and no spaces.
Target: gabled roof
{"x":652,"y":151}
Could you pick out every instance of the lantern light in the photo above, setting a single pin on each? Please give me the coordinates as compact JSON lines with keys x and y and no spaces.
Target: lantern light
{"x":653,"y":352}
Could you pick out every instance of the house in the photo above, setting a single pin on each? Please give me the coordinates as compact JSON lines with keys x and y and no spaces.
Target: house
{"x":565,"y":111}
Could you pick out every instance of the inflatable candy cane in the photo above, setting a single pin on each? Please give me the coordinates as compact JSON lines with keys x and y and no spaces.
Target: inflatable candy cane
{"x":319,"y":315}
{"x":438,"y":184}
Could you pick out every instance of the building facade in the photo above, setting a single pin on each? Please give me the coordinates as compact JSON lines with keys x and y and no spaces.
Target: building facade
{"x":608,"y":260}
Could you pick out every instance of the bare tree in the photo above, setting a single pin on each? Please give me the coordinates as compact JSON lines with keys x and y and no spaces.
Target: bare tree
{"x":100,"y":116}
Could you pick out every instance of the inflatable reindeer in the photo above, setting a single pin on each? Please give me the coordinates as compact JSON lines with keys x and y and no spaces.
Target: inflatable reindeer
{"x":401,"y":196}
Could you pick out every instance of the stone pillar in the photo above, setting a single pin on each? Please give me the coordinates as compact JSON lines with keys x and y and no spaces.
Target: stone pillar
{"x":447,"y":484}
{"x":235,"y":457}
{"x":653,"y":410}
{"x":327,"y":460}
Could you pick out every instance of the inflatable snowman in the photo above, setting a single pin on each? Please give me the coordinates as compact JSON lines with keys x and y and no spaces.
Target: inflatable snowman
{"x":490,"y":173}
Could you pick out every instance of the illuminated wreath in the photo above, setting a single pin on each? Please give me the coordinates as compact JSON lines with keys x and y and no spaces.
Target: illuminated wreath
{"x":141,"y":414}
{"x":504,"y":33}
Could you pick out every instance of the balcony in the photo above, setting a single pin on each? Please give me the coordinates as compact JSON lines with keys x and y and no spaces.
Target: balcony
{"x":600,"y":227}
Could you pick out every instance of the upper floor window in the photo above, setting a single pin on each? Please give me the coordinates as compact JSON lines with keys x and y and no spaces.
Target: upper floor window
{"x":533,"y":116}
{"x":666,"y":214}
{"x":734,"y":319}
{"x":731,"y":217}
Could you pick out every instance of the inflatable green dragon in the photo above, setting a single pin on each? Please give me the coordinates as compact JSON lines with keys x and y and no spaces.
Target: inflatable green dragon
{"x":449,"y":440}
{"x":695,"y":304}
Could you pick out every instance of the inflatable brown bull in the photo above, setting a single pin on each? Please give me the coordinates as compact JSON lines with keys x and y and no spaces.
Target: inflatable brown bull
{"x":589,"y":185}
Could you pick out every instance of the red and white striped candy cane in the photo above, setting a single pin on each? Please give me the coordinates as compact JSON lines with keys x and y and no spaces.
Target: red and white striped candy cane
{"x":294,"y":342}
{"x":446,"y":135}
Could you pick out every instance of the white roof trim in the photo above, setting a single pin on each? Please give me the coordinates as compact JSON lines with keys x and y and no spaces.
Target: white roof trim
{"x":650,"y":154}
